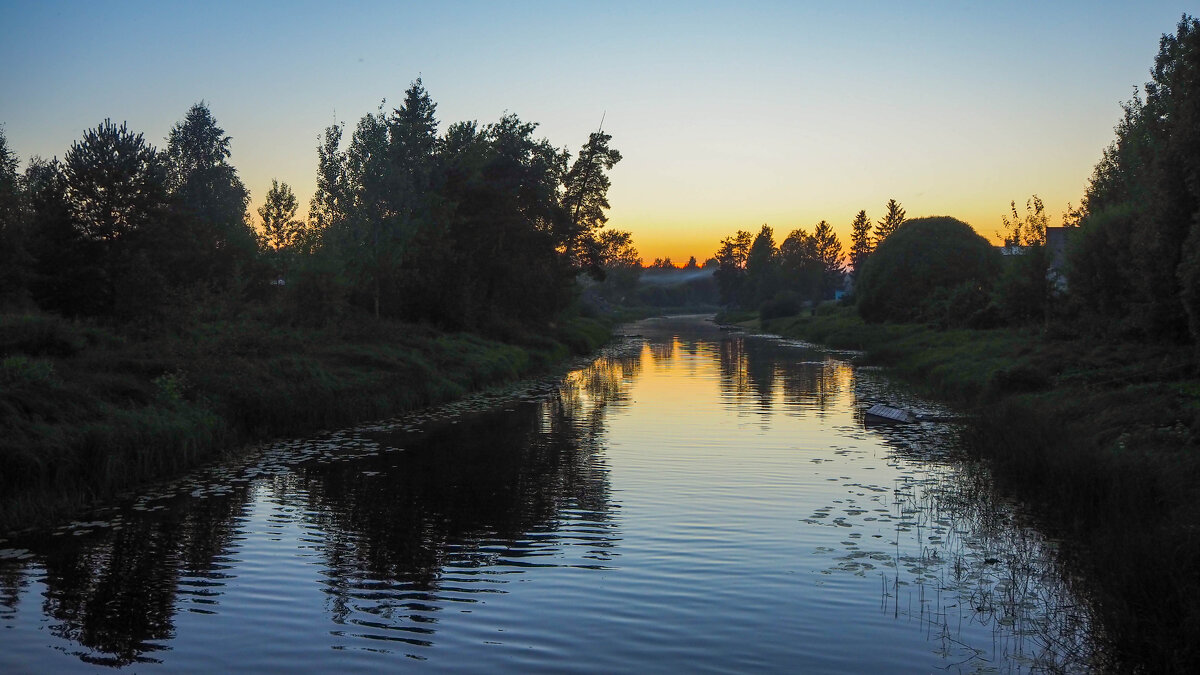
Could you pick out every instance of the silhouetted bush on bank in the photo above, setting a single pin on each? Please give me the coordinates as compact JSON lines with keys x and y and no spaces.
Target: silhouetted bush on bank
{"x":934,"y":269}
{"x":784,"y":303}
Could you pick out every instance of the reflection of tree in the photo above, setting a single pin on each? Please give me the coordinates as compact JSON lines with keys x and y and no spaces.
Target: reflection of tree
{"x":11,"y":582}
{"x":498,"y":489}
{"x":116,"y":595}
{"x":662,"y":350}
{"x":815,"y":385}
{"x":735,"y":370}
{"x":586,"y":393}
{"x":751,"y":369}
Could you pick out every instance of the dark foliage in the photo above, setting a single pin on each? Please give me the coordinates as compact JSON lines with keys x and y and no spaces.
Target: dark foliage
{"x":15,"y":262}
{"x":753,"y":271}
{"x":928,"y":269}
{"x":1137,"y":262}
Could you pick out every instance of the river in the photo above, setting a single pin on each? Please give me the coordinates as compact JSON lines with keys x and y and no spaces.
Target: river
{"x":691,"y":500}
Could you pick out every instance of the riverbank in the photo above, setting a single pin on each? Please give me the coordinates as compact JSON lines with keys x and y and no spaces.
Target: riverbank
{"x":88,"y":412}
{"x":1101,"y":439}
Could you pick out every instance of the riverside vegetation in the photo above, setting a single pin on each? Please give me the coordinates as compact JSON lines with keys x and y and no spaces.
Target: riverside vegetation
{"x":1098,"y":437}
{"x":1077,"y":358}
{"x":147,"y":324}
{"x":89,"y":412}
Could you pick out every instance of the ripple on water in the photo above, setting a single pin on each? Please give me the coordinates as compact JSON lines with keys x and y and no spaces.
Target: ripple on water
{"x":691,"y":500}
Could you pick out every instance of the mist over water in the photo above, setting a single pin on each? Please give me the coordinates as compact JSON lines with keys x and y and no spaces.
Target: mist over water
{"x":690,"y":500}
{"x":681,"y":276}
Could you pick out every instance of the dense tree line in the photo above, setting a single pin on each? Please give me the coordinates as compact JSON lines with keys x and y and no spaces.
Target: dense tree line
{"x":1135,"y":265}
{"x":753,"y":272}
{"x":469,"y":228}
{"x":117,"y":227}
{"x":805,"y":268}
{"x":1128,"y":263}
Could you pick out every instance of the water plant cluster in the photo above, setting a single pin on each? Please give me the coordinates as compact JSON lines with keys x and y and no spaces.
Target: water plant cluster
{"x":1095,"y":436}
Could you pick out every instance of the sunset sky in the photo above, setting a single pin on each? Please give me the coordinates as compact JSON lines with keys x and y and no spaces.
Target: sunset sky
{"x":729,"y":114}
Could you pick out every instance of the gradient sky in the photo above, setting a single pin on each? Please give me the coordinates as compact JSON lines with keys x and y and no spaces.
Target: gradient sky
{"x":729,"y":114}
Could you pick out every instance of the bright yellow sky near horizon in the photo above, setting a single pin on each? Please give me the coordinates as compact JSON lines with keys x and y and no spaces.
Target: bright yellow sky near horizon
{"x":729,"y":115}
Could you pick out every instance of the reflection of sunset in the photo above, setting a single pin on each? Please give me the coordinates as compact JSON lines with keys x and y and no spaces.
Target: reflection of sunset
{"x":693,"y":482}
{"x":700,"y":391}
{"x":739,"y":373}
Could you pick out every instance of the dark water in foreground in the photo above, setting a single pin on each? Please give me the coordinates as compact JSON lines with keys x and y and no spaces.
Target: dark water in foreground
{"x":692,"y":500}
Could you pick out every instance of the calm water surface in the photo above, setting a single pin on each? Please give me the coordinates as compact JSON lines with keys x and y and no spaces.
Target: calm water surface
{"x":692,"y":500}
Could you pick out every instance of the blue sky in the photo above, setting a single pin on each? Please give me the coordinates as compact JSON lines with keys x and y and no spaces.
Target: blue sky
{"x":728,"y":114}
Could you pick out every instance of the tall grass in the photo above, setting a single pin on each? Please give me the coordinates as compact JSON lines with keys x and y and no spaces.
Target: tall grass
{"x":86,"y":413}
{"x":1099,"y":438}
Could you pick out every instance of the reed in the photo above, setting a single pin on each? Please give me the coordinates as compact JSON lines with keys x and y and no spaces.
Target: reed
{"x":1098,"y":438}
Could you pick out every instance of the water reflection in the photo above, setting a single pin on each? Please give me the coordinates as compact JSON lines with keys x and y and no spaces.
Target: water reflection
{"x":407,"y":532}
{"x":961,"y":555}
{"x":753,"y":368}
{"x":114,"y":593}
{"x":687,"y":482}
{"x":399,"y":533}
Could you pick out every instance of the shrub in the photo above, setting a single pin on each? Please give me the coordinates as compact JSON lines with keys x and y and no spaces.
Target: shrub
{"x":1023,"y":291}
{"x":928,"y":267}
{"x":785,"y":303}
{"x":38,"y":335}
{"x":19,"y":369}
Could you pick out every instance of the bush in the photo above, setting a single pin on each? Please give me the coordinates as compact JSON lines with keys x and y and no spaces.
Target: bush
{"x":21,"y":369}
{"x":966,"y":304}
{"x":1018,"y":379}
{"x":929,"y":267}
{"x":1023,"y":291}
{"x":1101,"y":276}
{"x":785,"y":303}
{"x":44,"y":335}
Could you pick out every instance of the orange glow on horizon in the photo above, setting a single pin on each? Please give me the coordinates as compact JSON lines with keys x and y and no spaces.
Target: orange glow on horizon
{"x":678,"y":241}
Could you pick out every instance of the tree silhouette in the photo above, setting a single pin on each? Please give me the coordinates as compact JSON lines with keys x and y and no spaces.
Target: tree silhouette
{"x":893,"y":219}
{"x":731,"y":266}
{"x":762,"y":267}
{"x":829,"y":252}
{"x":278,"y":213}
{"x":15,"y":262}
{"x":327,"y":210}
{"x":801,"y":265}
{"x":116,"y":198}
{"x":861,"y":242}
{"x":1135,"y":263}
{"x":621,"y":263}
{"x":208,"y":200}
{"x":412,"y":138}
{"x":935,"y":269}
{"x":1027,"y":230}
{"x":585,"y":192}
{"x":116,"y":182}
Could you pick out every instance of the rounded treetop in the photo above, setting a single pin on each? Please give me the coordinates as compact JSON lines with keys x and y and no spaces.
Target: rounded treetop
{"x":923,"y":258}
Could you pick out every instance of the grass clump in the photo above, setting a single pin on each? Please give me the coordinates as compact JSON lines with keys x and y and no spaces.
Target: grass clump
{"x":86,"y":413}
{"x":1102,"y":439}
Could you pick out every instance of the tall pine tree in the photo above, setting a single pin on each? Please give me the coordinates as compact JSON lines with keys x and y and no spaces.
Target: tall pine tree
{"x":893,"y":219}
{"x":861,"y":242}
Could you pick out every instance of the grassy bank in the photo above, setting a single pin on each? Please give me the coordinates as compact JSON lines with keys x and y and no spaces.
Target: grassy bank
{"x":1100,"y":438}
{"x":86,"y":412}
